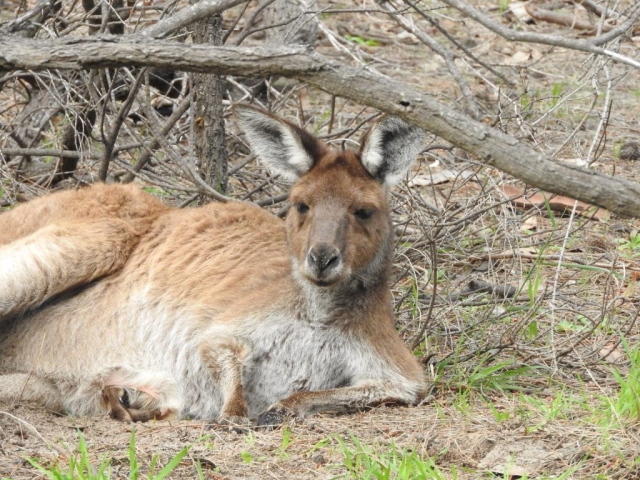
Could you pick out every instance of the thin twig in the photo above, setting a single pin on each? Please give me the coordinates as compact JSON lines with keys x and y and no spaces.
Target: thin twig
{"x":555,"y":40}
{"x":33,"y":430}
{"x":455,"y":41}
{"x":154,"y":143}
{"x":446,"y":55}
{"x":110,"y":141}
{"x":246,"y":31}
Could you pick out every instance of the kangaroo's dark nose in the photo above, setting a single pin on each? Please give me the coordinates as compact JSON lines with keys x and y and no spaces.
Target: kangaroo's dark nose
{"x":323,"y":259}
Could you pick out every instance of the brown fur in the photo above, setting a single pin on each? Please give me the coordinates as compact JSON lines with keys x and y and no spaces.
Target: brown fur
{"x":149,"y":300}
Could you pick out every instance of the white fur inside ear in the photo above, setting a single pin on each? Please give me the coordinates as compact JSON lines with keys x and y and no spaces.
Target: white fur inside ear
{"x":390,"y":149}
{"x":297,"y":156}
{"x":275,"y":143}
{"x":372,"y":153}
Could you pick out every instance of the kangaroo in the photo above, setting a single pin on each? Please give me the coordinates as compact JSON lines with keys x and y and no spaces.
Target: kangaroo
{"x":112,"y":302}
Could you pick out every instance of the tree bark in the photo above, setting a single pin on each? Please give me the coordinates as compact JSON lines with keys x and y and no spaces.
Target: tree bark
{"x":209,"y":141}
{"x":489,"y":145}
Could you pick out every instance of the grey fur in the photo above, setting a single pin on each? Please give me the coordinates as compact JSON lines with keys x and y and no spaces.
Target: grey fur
{"x":391,"y":148}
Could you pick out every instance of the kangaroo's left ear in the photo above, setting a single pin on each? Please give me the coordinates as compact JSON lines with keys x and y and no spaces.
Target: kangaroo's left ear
{"x":389,"y":149}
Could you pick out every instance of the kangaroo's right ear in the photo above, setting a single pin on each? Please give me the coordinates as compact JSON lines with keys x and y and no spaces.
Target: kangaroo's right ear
{"x":285,"y":148}
{"x":389,"y":149}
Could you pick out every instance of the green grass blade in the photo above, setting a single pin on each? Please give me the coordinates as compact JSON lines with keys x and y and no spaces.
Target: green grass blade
{"x":173,"y":463}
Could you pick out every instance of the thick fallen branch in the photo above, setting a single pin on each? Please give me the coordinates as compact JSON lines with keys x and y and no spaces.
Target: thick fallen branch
{"x":491,"y":146}
{"x":102,"y":51}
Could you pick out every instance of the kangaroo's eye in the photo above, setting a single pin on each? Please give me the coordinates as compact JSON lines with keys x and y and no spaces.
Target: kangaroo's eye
{"x":302,"y":208}
{"x":363,"y":214}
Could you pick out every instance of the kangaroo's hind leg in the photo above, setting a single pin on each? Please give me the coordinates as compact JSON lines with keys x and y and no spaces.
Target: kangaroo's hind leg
{"x":130,"y":405}
{"x":58,"y":257}
{"x":132,"y":395}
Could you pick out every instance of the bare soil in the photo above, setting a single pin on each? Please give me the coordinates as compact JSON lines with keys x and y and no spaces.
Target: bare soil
{"x":473,"y":442}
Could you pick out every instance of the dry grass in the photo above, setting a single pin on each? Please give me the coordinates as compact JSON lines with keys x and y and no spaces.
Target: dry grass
{"x":469,"y":435}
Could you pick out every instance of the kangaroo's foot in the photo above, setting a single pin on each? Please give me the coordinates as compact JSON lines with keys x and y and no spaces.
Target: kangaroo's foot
{"x":122,"y":407}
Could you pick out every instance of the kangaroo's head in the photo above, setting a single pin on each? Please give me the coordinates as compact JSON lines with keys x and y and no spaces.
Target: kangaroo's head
{"x":339,"y":225}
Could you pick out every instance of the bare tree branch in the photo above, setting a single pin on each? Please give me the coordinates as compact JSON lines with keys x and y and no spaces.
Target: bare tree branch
{"x":146,"y":155}
{"x":111,"y":139}
{"x":491,"y":146}
{"x":103,"y":51}
{"x":47,"y":152}
{"x":37,"y":15}
{"x":444,"y":52}
{"x":586,"y":46}
{"x":459,"y":45}
{"x":620,"y":30}
{"x":183,"y":18}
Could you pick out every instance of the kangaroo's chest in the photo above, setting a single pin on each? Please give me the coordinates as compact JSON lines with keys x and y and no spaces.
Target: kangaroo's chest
{"x":289,"y":357}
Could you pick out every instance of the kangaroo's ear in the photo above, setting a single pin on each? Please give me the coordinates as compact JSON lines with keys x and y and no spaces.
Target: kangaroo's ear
{"x":285,"y":148}
{"x":389,"y":149}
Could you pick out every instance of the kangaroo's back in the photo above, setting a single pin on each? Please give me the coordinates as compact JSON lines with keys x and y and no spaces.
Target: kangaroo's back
{"x":100,"y":201}
{"x":220,"y":254}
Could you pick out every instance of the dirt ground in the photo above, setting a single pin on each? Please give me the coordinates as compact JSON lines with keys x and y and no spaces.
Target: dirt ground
{"x":553,"y":406}
{"x":472,"y":442}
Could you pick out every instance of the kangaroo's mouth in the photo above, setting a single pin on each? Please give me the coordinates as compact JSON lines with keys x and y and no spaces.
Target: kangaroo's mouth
{"x":325,"y":281}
